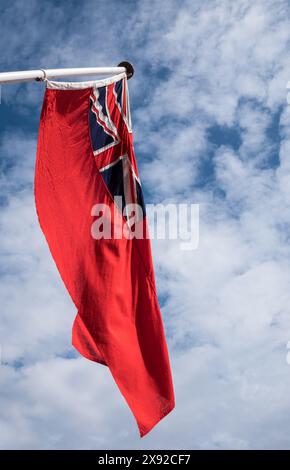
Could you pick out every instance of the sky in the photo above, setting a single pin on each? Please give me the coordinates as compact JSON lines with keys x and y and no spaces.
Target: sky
{"x":211,"y":126}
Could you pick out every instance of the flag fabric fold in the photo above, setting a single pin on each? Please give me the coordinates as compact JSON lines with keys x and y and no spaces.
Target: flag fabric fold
{"x":85,"y":160}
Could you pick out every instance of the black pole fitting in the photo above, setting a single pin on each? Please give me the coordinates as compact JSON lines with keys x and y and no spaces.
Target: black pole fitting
{"x":129,"y":68}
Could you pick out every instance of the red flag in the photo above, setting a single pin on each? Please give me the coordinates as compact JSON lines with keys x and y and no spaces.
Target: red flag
{"x":85,"y":158}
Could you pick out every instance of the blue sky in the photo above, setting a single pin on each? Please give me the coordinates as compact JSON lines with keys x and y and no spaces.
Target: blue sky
{"x":211,"y":126}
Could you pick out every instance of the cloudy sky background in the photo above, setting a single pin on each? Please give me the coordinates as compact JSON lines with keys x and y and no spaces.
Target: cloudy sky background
{"x":211,"y":126}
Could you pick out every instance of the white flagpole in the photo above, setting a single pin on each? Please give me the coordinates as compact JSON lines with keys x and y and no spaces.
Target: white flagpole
{"x":41,"y":74}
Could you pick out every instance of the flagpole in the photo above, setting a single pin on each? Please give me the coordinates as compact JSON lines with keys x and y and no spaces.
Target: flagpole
{"x":41,"y":74}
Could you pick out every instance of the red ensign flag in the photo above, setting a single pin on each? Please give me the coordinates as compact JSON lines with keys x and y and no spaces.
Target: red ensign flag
{"x":87,"y":190}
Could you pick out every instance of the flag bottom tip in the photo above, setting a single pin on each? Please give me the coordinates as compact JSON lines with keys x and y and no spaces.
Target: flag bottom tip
{"x":143,"y":431}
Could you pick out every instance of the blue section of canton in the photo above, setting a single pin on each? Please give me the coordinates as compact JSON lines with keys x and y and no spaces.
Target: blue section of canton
{"x":140,"y":198}
{"x":102,"y":100}
{"x":99,"y":137}
{"x":114,"y":180}
{"x":118,"y":90}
